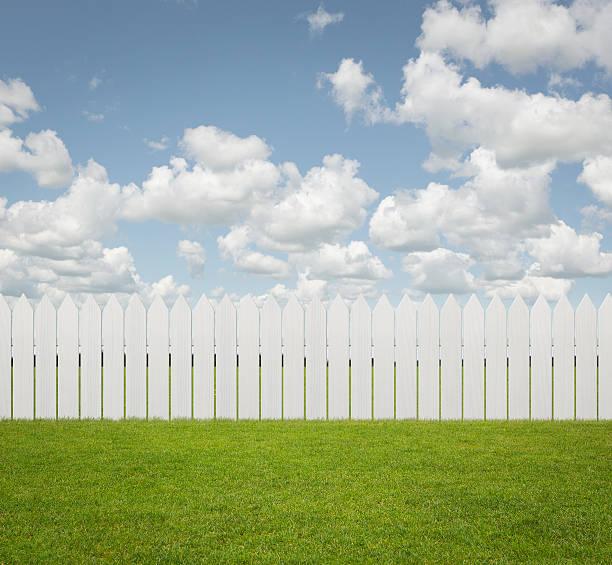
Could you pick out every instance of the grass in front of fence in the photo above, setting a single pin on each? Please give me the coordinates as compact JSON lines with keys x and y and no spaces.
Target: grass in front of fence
{"x":184,"y":491}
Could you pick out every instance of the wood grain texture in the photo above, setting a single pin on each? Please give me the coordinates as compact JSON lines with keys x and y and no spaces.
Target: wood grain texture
{"x":158,"y":341}
{"x":248,"y":357}
{"x":135,"y":359}
{"x":495,"y":353}
{"x":605,"y":358}
{"x":428,"y":336}
{"x":45,"y":348}
{"x":473,"y":360}
{"x":450,"y":358}
{"x":203,"y":320}
{"x":518,"y":360}
{"x":271,"y":362}
{"x":225,"y":340}
{"x":540,"y":332}
{"x":180,"y":349}
{"x":361,"y":360}
{"x":563,"y":358}
{"x":338,"y":356}
{"x":315,"y":336}
{"x":383,"y":337}
{"x":90,"y":341}
{"x":68,"y":400}
{"x":406,"y":359}
{"x":293,"y":355}
{"x":23,"y":360}
{"x":586,"y":360}
{"x":5,"y":359}
{"x":113,"y":346}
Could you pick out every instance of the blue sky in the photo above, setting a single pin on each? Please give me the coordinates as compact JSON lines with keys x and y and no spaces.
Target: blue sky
{"x":186,"y":147}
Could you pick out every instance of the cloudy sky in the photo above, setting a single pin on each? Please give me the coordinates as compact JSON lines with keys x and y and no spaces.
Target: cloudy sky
{"x":180,"y":147}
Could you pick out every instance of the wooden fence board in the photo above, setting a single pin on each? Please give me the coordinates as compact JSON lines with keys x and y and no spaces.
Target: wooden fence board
{"x":473,"y":360}
{"x":90,"y":340}
{"x":180,"y":359}
{"x":225,"y":340}
{"x":428,"y":336}
{"x":45,"y":333}
{"x":5,"y":359}
{"x":563,"y":359}
{"x":113,"y":393}
{"x":135,"y":359}
{"x":518,"y":360}
{"x":68,"y":400}
{"x":338,"y":355}
{"x":293,"y":355}
{"x":203,"y":320}
{"x":361,"y":360}
{"x":496,"y":400}
{"x":23,"y":360}
{"x":383,"y":336}
{"x":586,"y":360}
{"x":450,"y":360}
{"x":248,"y":359}
{"x":271,"y":362}
{"x":605,"y":359}
{"x":315,"y":336}
{"x":406,"y":359}
{"x":541,"y":360}
{"x":158,"y":346}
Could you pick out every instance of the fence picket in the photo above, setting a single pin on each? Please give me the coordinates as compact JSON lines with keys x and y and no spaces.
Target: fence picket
{"x":586,"y":360}
{"x":112,"y":362}
{"x":158,"y":345}
{"x":248,"y":357}
{"x":23,"y":360}
{"x":135,"y":359}
{"x":45,"y":349}
{"x":203,"y":320}
{"x":605,"y":359}
{"x":5,"y":359}
{"x":406,"y":359}
{"x":473,"y":360}
{"x":315,"y":334}
{"x":518,"y":360}
{"x":496,"y":367}
{"x":541,"y":359}
{"x":293,"y":360}
{"x":361,"y":360}
{"x":450,"y":360}
{"x":90,"y":338}
{"x":271,"y":362}
{"x":180,"y":359}
{"x":563,"y":360}
{"x":68,"y":400}
{"x":338,"y":355}
{"x":225,"y":340}
{"x":383,"y":326}
{"x":428,"y":335}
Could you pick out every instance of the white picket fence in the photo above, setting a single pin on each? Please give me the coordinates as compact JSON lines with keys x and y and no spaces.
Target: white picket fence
{"x":414,"y":361}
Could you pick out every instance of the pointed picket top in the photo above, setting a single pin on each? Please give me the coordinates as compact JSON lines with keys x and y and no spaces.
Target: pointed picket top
{"x":135,"y":303}
{"x":158,"y":304}
{"x":428,"y":302}
{"x":450,"y":305}
{"x":383,"y":305}
{"x":360,"y":305}
{"x":224,"y":306}
{"x":473,"y":304}
{"x":271,"y":305}
{"x":43,"y":309}
{"x":315,"y":305}
{"x":541,"y":305}
{"x":495,"y":305}
{"x":68,"y":304}
{"x":180,"y":304}
{"x":23,"y":305}
{"x":90,"y":305}
{"x":563,"y":304}
{"x":518,"y":305}
{"x":45,"y":302}
{"x":585,"y":306}
{"x":112,"y":304}
{"x":292,"y":305}
{"x":247,"y":302}
{"x":203,"y":303}
{"x":606,"y":305}
{"x":338,"y":306}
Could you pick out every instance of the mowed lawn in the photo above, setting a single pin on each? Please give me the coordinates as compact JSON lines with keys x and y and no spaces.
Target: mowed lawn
{"x":156,"y":492}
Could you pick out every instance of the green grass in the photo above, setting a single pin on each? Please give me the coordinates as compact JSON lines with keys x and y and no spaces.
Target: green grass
{"x":384,"y":492}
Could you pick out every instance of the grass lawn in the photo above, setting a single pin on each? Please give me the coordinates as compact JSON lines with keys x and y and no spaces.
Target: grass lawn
{"x":305,"y":492}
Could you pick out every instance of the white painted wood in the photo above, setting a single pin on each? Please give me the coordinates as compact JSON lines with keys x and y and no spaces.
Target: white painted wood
{"x":68,"y":401}
{"x":605,"y":359}
{"x":496,"y":401}
{"x":338,"y":356}
{"x":361,"y":360}
{"x":563,"y":358}
{"x":541,"y":360}
{"x":135,"y":359}
{"x":180,"y":359}
{"x":23,"y":360}
{"x":315,"y":334}
{"x":518,"y":360}
{"x":406,"y":359}
{"x":225,"y":339}
{"x":450,"y":360}
{"x":90,"y":340}
{"x":473,"y":360}
{"x":271,"y":362}
{"x":5,"y":359}
{"x":248,"y":359}
{"x":428,"y":336}
{"x":45,"y":332}
{"x":383,"y":336}
{"x":112,"y":362}
{"x":293,"y":360}
{"x":203,"y":320}
{"x":158,"y":345}
{"x":586,"y":360}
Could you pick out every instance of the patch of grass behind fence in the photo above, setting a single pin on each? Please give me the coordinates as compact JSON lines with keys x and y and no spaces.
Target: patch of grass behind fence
{"x":184,"y":491}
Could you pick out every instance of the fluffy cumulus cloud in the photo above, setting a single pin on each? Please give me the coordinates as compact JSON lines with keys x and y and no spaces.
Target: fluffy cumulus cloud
{"x":16,"y":101}
{"x":597,"y":174}
{"x":194,"y":255}
{"x":319,"y":20}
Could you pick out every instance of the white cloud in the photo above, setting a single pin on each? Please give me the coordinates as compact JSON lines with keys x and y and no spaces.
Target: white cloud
{"x":305,"y":289}
{"x":319,"y":20}
{"x":194,"y":255}
{"x":16,"y":101}
{"x":42,"y":154}
{"x":95,"y":82}
{"x":168,"y":289}
{"x":596,"y":217}
{"x":160,"y":145}
{"x":522,"y":35}
{"x":93,"y":117}
{"x":597,"y":175}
